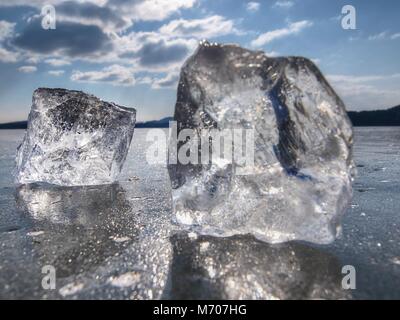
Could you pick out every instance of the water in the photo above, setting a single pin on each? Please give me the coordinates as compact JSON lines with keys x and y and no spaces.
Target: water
{"x":117,"y":241}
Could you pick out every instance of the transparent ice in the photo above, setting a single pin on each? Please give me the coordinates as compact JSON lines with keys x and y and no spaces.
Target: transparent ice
{"x":74,"y":139}
{"x":300,"y":183}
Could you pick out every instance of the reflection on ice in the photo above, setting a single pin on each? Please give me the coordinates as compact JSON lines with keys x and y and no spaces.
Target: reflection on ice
{"x":241,"y":267}
{"x":105,"y":243}
{"x":71,"y":205}
{"x":100,"y":239}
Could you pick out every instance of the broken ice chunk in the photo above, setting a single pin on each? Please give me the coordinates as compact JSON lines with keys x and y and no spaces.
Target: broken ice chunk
{"x":299,"y":183}
{"x":74,"y":138}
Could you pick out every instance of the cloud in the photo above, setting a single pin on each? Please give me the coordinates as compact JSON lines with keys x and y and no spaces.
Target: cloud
{"x":57,"y":62}
{"x":152,"y":51}
{"x":114,"y":74}
{"x":33,"y":3}
{"x":32,"y":59}
{"x":110,"y":14}
{"x":56,"y":72}
{"x":98,"y":32}
{"x":70,"y":39}
{"x":27,"y":69}
{"x":85,"y":31}
{"x":150,"y":10}
{"x":378,"y":36}
{"x":368,"y":91}
{"x":384,"y":35}
{"x":88,"y":13}
{"x":292,"y":29}
{"x":362,"y":79}
{"x":162,"y":52}
{"x":283,"y":4}
{"x":169,"y":81}
{"x":39,"y":3}
{"x":339,"y":17}
{"x":272,"y":53}
{"x":8,"y":56}
{"x":6,"y":29}
{"x":209,"y":27}
{"x":395,"y":36}
{"x":316,"y":60}
{"x":253,"y":6}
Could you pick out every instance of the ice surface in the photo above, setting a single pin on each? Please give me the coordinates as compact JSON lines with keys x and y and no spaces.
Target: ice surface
{"x":242,"y":267}
{"x":300,"y":183}
{"x":74,"y":139}
{"x":80,"y":231}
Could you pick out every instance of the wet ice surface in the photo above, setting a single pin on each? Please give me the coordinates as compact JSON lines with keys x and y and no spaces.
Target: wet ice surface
{"x":117,"y":241}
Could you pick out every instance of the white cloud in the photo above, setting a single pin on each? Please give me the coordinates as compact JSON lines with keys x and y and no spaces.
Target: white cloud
{"x":110,"y":15}
{"x":283,"y":4}
{"x":6,"y":29}
{"x":32,"y":59}
{"x":316,"y":60}
{"x":114,"y":74}
{"x":253,"y":6}
{"x":153,"y":51}
{"x":395,"y":36}
{"x":27,"y":69}
{"x":158,"y":54}
{"x":41,"y":3}
{"x":56,"y":72}
{"x":161,"y":9}
{"x":384,"y":35}
{"x":8,"y":56}
{"x":339,"y":17}
{"x":367,"y":92}
{"x":169,"y":81}
{"x":362,"y":79}
{"x":150,"y":10}
{"x":292,"y":29}
{"x":378,"y":36}
{"x":87,"y":13}
{"x":57,"y":62}
{"x":271,"y":53}
{"x":209,"y":27}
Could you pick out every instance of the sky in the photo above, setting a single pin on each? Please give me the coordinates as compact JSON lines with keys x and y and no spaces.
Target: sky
{"x":130,"y":52}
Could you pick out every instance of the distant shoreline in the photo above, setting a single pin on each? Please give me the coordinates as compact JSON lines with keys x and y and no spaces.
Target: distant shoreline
{"x":375,"y":118}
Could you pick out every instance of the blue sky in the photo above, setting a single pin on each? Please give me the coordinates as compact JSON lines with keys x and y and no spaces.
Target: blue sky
{"x":130,"y":52}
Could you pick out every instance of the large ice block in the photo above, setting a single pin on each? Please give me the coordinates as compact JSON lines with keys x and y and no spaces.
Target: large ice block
{"x":299,"y":184}
{"x":74,"y":138}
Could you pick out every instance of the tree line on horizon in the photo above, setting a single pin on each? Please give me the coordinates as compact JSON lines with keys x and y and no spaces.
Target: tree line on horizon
{"x":374,"y":118}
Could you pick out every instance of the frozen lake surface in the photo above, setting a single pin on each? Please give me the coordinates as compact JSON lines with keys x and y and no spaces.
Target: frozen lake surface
{"x":117,"y":242}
